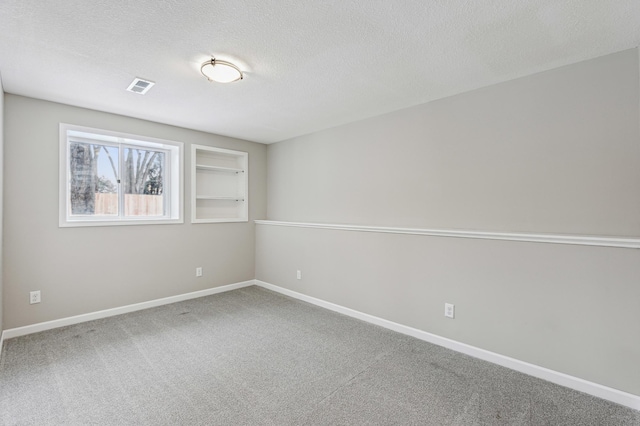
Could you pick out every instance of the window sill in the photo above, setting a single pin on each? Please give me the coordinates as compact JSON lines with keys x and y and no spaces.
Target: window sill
{"x":123,"y":222}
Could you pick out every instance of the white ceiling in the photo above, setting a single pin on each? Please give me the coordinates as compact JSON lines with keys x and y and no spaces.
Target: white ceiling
{"x":310,"y":64}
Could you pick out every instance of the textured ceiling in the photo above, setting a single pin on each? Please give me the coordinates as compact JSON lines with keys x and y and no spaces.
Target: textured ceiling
{"x":309,"y":64}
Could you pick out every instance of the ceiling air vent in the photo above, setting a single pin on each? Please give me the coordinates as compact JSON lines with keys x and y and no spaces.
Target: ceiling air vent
{"x":140,"y":86}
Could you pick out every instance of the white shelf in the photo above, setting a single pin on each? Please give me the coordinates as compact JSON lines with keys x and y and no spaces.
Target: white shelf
{"x":224,"y":220}
{"x":215,"y":197}
{"x":218,"y":169}
{"x":216,"y":173}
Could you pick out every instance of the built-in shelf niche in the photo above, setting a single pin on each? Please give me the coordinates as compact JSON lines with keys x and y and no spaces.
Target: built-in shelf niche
{"x":219,"y":185}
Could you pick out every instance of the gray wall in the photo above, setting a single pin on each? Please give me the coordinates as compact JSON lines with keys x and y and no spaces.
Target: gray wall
{"x":556,"y":152}
{"x":1,"y":196}
{"x":553,"y":152}
{"x":81,"y":270}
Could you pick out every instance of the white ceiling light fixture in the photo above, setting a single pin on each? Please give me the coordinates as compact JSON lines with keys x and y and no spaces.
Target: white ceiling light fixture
{"x":221,"y":71}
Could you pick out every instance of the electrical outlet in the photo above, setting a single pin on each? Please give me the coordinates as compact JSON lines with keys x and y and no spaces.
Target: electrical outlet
{"x":199,"y":271}
{"x":34,"y":297}
{"x":299,"y":274}
{"x":449,"y":310}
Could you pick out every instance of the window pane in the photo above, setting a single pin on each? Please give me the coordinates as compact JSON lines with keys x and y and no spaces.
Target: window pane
{"x":111,"y":178}
{"x":143,"y":182}
{"x":93,"y":183}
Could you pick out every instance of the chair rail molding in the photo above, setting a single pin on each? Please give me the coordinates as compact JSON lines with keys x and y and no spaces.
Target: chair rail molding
{"x":585,"y":240}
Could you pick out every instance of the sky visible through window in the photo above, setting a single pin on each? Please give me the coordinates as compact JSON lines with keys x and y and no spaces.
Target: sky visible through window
{"x":105,"y":170}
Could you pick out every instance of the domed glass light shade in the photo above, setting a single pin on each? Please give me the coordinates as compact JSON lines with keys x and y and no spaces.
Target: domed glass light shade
{"x":221,"y":71}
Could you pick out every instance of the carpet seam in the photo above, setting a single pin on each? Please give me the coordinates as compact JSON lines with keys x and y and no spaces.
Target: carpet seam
{"x":344,"y":385}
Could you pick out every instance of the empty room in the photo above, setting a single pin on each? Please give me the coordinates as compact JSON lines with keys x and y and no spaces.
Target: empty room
{"x":320,"y":212}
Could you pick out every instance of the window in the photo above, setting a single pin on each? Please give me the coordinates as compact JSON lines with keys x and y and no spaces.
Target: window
{"x":109,"y":178}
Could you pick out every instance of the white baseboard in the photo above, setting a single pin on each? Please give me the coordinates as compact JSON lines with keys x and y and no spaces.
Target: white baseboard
{"x":35,"y":328}
{"x":597,"y":390}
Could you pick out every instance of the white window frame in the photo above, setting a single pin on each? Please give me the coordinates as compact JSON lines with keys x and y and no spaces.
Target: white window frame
{"x":174,"y":176}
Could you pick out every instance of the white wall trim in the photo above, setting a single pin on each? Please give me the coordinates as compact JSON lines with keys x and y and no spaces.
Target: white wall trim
{"x":35,"y":328}
{"x":597,"y":390}
{"x":585,"y":240}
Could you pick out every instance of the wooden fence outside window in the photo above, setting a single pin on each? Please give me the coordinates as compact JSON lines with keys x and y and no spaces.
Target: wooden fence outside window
{"x":134,"y":205}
